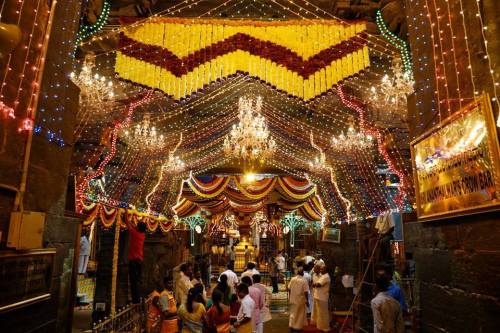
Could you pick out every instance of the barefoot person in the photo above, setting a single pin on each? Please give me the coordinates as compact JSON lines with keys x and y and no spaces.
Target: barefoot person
{"x":299,"y":299}
{"x":321,"y":294}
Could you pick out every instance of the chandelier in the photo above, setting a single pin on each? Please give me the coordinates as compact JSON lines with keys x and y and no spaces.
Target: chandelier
{"x":318,"y":164}
{"x":393,"y":91}
{"x":96,"y":92}
{"x":250,"y":141}
{"x":352,"y":140}
{"x":145,"y":136}
{"x":174,"y":164}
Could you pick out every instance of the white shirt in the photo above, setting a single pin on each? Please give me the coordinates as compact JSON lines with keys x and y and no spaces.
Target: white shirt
{"x":322,"y":293}
{"x":232,"y":255}
{"x":308,"y":277}
{"x":232,"y":280}
{"x":298,"y":286}
{"x":249,"y":273}
{"x":182,"y":286}
{"x":84,"y":246}
{"x":246,"y":309}
{"x":384,"y":223}
{"x":387,"y":314}
{"x":308,"y":259}
{"x":280,"y":260}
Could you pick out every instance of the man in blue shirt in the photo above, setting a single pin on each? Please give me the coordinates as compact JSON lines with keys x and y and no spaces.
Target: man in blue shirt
{"x":394,"y":289}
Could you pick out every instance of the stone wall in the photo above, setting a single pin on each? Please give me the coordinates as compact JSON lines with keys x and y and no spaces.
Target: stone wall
{"x":162,"y":252}
{"x":344,"y":257}
{"x":457,"y":271}
{"x":47,"y":175}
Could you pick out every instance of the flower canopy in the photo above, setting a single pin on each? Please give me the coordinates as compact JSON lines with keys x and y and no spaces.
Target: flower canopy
{"x":302,"y":58}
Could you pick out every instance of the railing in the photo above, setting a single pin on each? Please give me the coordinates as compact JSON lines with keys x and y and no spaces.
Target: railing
{"x":131,"y":319}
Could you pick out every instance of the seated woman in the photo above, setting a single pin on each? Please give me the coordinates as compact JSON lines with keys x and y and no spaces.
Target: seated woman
{"x":191,"y":313}
{"x":219,"y":315}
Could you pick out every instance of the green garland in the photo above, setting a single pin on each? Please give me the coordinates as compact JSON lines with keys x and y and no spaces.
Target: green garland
{"x":86,"y":31}
{"x":399,"y":43}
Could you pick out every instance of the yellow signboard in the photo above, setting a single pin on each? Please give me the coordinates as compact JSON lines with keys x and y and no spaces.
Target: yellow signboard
{"x":456,"y":165}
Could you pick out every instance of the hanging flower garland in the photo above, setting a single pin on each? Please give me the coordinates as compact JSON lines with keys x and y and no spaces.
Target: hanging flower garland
{"x":108,"y":216}
{"x":302,"y":58}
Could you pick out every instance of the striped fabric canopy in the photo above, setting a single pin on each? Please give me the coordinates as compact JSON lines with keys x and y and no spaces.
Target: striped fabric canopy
{"x":217,"y":194}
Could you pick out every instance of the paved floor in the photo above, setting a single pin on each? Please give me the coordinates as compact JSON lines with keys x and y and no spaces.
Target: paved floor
{"x":279,"y":324}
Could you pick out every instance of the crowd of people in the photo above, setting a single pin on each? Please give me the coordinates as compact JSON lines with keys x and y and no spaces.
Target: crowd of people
{"x":235,"y":304}
{"x":186,"y":303}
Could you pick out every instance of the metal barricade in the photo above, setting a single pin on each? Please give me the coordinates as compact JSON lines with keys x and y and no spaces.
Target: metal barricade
{"x":131,"y":319}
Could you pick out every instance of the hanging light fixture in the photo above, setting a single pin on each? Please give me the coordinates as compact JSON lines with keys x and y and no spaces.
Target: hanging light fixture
{"x":96,"y":92}
{"x":392,"y":92}
{"x":145,"y":136}
{"x":352,"y":140}
{"x":174,"y":164}
{"x":250,"y":140}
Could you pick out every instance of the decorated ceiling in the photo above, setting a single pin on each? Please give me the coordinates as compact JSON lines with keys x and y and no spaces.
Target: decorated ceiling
{"x":153,"y":122}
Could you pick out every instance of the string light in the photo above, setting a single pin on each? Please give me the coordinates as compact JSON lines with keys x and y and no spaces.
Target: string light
{"x":495,"y":84}
{"x":173,"y":165}
{"x":87,"y":31}
{"x":84,"y":183}
{"x":396,"y":41}
{"x":205,"y":146}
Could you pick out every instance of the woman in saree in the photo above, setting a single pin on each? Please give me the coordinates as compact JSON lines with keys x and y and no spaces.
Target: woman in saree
{"x":219,"y":315}
{"x":192,"y":313}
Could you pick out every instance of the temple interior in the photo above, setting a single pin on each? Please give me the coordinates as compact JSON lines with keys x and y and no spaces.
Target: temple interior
{"x":342,"y":155}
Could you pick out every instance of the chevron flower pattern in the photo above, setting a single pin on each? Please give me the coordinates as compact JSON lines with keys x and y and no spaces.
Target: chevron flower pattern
{"x":302,"y":58}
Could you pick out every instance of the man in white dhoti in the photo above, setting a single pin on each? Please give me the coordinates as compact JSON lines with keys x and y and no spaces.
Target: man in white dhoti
{"x":84,"y":254}
{"x":321,"y":291}
{"x":308,"y":278}
{"x":299,"y":290}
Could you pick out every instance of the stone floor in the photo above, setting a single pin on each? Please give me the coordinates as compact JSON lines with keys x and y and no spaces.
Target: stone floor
{"x":82,"y":320}
{"x":279,"y":324}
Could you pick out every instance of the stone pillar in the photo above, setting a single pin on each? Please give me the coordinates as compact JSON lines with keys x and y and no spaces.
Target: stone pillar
{"x":49,"y":163}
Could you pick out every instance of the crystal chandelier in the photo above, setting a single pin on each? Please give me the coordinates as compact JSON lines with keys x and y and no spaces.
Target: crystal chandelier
{"x":174,"y":164}
{"x":352,"y":140}
{"x":145,"y":136}
{"x":318,"y":164}
{"x":393,"y":91}
{"x":250,"y":141}
{"x":96,"y":92}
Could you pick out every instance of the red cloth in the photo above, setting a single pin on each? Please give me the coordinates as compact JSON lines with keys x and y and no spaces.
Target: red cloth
{"x":136,"y":247}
